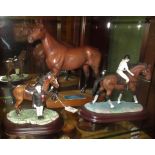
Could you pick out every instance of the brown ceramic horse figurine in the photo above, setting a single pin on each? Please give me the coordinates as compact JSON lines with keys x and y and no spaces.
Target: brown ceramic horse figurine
{"x":110,"y":82}
{"x":39,"y":58}
{"x":25,"y":92}
{"x":60,"y":57}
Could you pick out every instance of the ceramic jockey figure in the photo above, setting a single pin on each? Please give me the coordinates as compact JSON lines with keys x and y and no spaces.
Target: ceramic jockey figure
{"x":123,"y":66}
{"x":37,"y":100}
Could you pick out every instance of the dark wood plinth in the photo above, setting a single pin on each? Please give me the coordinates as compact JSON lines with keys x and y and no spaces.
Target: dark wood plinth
{"x":71,"y":83}
{"x":75,"y":102}
{"x":20,"y":130}
{"x":109,"y":118}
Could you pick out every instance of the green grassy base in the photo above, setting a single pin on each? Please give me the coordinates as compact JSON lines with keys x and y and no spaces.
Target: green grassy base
{"x":29,"y":116}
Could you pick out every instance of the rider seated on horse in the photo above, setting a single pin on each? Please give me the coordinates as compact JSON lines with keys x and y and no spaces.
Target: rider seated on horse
{"x":123,"y":66}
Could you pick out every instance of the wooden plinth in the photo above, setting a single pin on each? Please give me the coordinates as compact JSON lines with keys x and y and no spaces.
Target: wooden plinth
{"x":75,"y":102}
{"x":109,"y":118}
{"x":14,"y":130}
{"x":73,"y":81}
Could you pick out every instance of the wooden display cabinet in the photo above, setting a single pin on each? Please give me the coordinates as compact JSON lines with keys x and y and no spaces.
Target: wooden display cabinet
{"x":77,"y":31}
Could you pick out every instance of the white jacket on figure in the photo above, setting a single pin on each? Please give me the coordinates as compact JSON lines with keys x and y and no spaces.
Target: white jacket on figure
{"x":123,"y":66}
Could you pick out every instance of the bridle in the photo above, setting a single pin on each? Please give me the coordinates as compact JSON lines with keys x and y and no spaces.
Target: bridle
{"x":144,"y":73}
{"x":54,"y":80}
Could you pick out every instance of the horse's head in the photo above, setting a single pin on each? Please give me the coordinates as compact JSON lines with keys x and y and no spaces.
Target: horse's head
{"x":143,"y":69}
{"x":147,"y":72}
{"x":47,"y":80}
{"x":52,"y":80}
{"x":37,"y":33}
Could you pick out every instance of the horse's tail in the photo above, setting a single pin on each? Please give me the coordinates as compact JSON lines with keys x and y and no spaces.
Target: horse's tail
{"x":96,"y":83}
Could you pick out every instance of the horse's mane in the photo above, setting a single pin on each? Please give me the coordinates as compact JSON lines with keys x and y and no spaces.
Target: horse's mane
{"x":133,"y":67}
{"x":40,"y":79}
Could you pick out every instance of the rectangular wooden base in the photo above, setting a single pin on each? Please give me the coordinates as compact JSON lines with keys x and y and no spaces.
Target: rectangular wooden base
{"x":69,"y":102}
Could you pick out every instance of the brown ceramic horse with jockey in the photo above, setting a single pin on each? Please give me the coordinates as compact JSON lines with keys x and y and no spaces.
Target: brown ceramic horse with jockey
{"x":60,"y":57}
{"x":25,"y":92}
{"x":111,"y":82}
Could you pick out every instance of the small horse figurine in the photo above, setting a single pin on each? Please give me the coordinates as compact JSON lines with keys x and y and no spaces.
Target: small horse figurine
{"x":9,"y":65}
{"x":26,"y":92}
{"x":60,"y":57}
{"x":110,"y":82}
{"x":15,"y":63}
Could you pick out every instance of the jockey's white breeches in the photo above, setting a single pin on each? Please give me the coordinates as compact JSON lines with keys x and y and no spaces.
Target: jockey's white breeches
{"x":123,"y":75}
{"x":39,"y":110}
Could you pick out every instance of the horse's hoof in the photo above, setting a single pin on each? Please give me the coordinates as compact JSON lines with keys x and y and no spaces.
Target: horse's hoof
{"x":66,"y":78}
{"x":112,"y":106}
{"x":92,"y":102}
{"x":40,"y":117}
{"x":20,"y":109}
{"x":118,"y":102}
{"x":18,"y":114}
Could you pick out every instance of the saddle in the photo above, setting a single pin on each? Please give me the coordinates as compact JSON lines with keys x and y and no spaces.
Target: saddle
{"x":30,"y":87}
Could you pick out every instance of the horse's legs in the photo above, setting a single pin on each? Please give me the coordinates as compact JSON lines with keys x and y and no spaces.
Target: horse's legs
{"x":86,"y":72}
{"x":135,"y":98}
{"x":110,"y":103}
{"x":119,"y":98}
{"x":97,"y":95}
{"x":132,"y":87}
{"x":67,"y":75}
{"x":17,"y":105}
{"x":108,"y":94}
{"x":95,"y":70}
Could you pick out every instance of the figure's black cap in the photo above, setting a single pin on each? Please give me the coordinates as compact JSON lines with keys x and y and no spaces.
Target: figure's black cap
{"x":127,"y":57}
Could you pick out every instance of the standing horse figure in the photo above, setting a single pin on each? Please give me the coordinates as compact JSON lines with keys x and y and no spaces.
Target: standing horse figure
{"x":111,"y":82}
{"x":25,"y":92}
{"x":15,"y":64}
{"x":9,"y":65}
{"x":60,"y":57}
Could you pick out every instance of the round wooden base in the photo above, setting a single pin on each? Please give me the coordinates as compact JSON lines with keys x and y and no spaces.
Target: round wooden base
{"x":30,"y":131}
{"x":109,"y":118}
